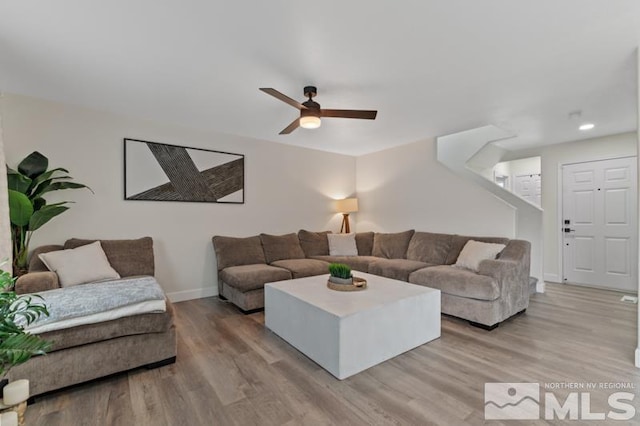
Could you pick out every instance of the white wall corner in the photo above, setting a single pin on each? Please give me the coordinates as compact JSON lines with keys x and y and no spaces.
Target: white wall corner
{"x":199,"y":293}
{"x":552,"y":278}
{"x":638,"y":357}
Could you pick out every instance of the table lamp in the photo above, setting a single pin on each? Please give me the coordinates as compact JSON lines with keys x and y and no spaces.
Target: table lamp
{"x":346,"y":206}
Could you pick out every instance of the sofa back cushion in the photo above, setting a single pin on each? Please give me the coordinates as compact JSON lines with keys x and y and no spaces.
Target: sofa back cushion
{"x":314,"y":243}
{"x":232,"y":251}
{"x":127,"y":257}
{"x":364,"y":242}
{"x":280,"y":247}
{"x":392,"y":246}
{"x":35,"y":264}
{"x":458,"y":242}
{"x":429,"y":247}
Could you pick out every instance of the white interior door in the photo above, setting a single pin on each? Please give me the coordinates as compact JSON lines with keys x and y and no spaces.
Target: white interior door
{"x":600,"y":223}
{"x":529,"y":187}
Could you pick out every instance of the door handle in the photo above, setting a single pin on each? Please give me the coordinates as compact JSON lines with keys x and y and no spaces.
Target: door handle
{"x":567,"y":230}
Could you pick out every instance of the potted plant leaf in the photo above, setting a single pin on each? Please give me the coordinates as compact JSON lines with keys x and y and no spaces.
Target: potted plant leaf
{"x":16,"y":312}
{"x":28,"y":210}
{"x":340,"y":274}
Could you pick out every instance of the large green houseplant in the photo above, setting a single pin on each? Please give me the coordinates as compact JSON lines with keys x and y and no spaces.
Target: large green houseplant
{"x":27,"y":207}
{"x":16,"y":312}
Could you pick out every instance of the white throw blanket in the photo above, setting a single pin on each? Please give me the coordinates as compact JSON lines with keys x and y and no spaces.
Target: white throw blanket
{"x":98,"y":302}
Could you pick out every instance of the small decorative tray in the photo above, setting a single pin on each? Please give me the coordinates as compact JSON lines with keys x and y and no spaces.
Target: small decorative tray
{"x":358,"y":284}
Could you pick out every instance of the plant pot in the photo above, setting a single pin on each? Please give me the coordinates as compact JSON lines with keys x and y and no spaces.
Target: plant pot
{"x":343,"y":281}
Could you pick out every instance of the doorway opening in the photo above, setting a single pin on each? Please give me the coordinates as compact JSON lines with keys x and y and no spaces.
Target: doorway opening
{"x":522,"y":177}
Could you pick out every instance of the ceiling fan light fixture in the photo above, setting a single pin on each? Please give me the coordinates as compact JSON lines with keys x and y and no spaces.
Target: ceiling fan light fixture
{"x":311,"y":112}
{"x":310,"y":122}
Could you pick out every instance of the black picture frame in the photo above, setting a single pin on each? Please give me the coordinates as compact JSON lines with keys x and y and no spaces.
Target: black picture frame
{"x":155,"y":171}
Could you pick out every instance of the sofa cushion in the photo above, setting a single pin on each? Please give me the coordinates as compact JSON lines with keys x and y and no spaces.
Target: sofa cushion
{"x":252,"y":277}
{"x":342,"y":245}
{"x":397,"y":269}
{"x":278,"y":247}
{"x":458,"y":242}
{"x":458,"y":282}
{"x":364,"y":242}
{"x":80,"y":265}
{"x":357,"y":263}
{"x":155,"y":322}
{"x":301,"y":268}
{"x":314,"y":243}
{"x":429,"y":247}
{"x":128,"y":257}
{"x":391,"y":246}
{"x":475,"y":252}
{"x":232,"y":251}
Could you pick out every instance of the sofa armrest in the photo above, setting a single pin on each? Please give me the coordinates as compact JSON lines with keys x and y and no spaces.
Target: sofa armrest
{"x":513,"y":279}
{"x":501,"y":270}
{"x":35,"y":282}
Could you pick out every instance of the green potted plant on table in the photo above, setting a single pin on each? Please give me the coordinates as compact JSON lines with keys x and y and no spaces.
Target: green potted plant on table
{"x":28,"y":210}
{"x":16,"y":312}
{"x":340,"y":274}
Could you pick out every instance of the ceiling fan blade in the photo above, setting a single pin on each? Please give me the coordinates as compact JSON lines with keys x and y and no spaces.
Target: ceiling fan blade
{"x":284,"y":98}
{"x":349,"y":113}
{"x":291,"y":127}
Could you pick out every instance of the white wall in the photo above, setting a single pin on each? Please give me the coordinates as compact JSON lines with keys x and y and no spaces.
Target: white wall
{"x":553,"y":156}
{"x":5,"y":229}
{"x":513,"y":168}
{"x":638,"y":150}
{"x":286,"y":188}
{"x":525,"y":166}
{"x":406,"y":187}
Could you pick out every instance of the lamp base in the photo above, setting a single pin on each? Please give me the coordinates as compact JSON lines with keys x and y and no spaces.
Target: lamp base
{"x":345,"y":229}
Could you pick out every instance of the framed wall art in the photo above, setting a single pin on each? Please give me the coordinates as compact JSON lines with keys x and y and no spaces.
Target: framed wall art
{"x":162,"y":172}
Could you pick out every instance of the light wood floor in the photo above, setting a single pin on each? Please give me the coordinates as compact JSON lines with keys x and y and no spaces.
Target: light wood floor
{"x":232,"y":371}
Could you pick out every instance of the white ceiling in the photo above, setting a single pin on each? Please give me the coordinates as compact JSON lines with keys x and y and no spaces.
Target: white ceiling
{"x":430,"y":67}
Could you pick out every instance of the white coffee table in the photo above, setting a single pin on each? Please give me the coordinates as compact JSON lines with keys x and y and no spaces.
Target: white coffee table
{"x":348,"y":332}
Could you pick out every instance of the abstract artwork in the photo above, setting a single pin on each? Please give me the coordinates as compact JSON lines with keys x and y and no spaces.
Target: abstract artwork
{"x":161,"y":172}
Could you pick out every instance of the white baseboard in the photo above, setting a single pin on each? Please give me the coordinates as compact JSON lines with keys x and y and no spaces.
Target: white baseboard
{"x":198,"y":293}
{"x":638,"y":357}
{"x":552,"y":278}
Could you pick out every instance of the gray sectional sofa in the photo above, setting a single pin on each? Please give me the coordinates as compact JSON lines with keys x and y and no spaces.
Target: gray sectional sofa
{"x":497,"y":291}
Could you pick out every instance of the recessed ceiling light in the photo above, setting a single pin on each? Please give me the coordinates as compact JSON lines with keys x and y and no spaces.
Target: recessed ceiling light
{"x":587,"y":126}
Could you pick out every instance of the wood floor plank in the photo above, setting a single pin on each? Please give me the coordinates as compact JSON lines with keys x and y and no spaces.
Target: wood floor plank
{"x":231,"y":370}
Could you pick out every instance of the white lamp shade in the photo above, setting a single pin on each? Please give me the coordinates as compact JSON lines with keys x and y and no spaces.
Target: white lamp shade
{"x":310,"y":122}
{"x":348,"y":205}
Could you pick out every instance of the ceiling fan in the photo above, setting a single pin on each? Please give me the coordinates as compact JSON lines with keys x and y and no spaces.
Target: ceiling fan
{"x":310,"y":112}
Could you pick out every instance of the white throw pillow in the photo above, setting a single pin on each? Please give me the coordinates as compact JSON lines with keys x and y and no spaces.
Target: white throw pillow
{"x":80,"y":265}
{"x":475,"y":252}
{"x":342,"y":244}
